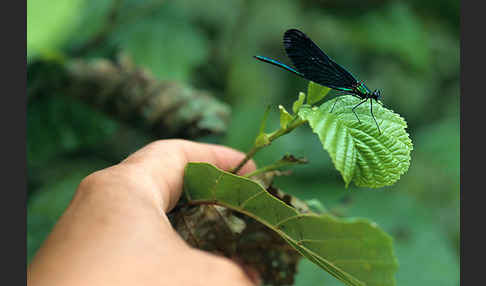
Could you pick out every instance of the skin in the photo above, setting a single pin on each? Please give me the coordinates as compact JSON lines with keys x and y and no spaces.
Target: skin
{"x":115,"y":230}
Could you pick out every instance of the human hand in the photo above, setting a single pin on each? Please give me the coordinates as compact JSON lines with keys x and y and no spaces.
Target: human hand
{"x":115,"y":230}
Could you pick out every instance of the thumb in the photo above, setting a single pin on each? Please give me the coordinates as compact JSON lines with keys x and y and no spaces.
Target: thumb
{"x":164,"y":161}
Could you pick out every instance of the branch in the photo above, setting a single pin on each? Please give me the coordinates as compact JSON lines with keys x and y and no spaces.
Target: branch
{"x":132,"y":94}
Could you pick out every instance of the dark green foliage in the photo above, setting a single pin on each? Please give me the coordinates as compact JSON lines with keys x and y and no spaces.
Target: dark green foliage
{"x":354,"y":251}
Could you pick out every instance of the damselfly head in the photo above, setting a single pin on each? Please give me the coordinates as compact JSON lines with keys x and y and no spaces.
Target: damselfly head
{"x":377,"y":94}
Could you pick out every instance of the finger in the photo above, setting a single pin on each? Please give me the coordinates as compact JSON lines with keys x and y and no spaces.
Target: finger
{"x":164,"y":161}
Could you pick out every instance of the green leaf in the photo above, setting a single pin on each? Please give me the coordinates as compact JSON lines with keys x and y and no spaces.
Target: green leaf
{"x":359,"y":152}
{"x":298,"y":103}
{"x":316,"y":92}
{"x":355,"y":251}
{"x":49,"y":24}
{"x":165,"y":43}
{"x":285,"y":117}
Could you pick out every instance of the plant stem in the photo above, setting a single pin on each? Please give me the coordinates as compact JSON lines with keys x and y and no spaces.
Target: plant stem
{"x":248,"y":156}
{"x":287,"y":160}
{"x":264,"y":170}
{"x":296,"y":122}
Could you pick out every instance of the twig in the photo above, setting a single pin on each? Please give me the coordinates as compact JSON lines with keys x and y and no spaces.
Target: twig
{"x":296,"y":122}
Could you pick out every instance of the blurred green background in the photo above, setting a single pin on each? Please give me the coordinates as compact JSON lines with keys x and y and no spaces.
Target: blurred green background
{"x":410,"y":50}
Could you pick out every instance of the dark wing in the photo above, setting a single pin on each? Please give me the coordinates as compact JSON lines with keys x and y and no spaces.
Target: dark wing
{"x":313,"y":63}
